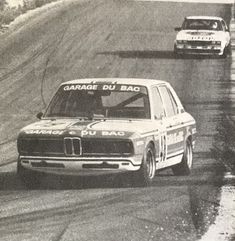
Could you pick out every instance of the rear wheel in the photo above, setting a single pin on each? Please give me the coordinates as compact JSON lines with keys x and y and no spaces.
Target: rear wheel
{"x":146,"y":174}
{"x":185,"y":166}
{"x":29,"y":178}
{"x":229,"y":49}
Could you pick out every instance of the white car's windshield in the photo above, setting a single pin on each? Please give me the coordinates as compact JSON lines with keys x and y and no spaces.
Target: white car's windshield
{"x":100,"y":101}
{"x":202,"y":24}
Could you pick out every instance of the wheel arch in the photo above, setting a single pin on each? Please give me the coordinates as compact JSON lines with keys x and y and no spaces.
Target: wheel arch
{"x":189,"y":137}
{"x":151,"y":143}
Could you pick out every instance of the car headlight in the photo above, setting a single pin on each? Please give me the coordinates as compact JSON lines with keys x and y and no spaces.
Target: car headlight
{"x":181,"y":41}
{"x":216,"y":42}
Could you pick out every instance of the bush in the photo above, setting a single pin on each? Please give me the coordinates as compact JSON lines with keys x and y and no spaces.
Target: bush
{"x":39,"y":3}
{"x":8,"y":14}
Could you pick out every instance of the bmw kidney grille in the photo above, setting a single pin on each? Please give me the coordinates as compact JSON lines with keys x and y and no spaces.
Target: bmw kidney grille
{"x":72,"y":146}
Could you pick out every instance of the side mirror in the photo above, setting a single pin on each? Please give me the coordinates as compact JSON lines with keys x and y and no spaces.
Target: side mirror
{"x":162,"y":115}
{"x":177,"y":29}
{"x":159,"y":117}
{"x":39,"y":115}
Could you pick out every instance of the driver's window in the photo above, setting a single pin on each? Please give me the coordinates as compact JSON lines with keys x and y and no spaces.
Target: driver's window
{"x":158,"y":108}
{"x":169,"y":102}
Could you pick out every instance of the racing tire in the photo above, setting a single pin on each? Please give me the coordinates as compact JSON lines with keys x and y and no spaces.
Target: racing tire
{"x":30,"y":179}
{"x":185,"y":166}
{"x":145,"y":175}
{"x":229,"y":49}
{"x":225,"y":53}
{"x":176,"y":54}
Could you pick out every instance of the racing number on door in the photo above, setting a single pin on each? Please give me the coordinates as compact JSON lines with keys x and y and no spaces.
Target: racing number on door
{"x":163,"y":148}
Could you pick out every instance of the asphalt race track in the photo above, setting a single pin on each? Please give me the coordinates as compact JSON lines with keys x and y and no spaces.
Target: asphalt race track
{"x":78,"y":39}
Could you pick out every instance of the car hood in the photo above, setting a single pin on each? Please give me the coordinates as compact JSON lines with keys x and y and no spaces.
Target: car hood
{"x":89,"y":128}
{"x":206,"y":35}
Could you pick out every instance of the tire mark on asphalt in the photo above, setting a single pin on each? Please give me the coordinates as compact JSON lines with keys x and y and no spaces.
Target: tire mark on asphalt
{"x":59,"y":236}
{"x":7,"y":163}
{"x":130,"y":210}
{"x":64,"y":31}
{"x":25,"y":63}
{"x":7,"y":141}
{"x":41,"y":52}
{"x":33,"y":58}
{"x":69,"y":210}
{"x":78,"y":209}
{"x":119,"y":195}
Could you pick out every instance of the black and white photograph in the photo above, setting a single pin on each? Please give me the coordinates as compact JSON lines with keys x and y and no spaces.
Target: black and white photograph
{"x":117,"y":120}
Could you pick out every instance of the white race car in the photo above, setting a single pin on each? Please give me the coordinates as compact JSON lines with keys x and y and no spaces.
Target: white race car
{"x":105,"y":126}
{"x":203,"y":35}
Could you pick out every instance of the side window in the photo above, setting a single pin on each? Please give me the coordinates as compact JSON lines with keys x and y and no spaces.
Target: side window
{"x":169,"y":101}
{"x":158,"y":108}
{"x":173,"y":102}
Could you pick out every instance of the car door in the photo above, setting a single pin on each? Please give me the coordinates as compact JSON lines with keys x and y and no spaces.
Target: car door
{"x":159,"y":115}
{"x":226,"y":31}
{"x":174,"y":129}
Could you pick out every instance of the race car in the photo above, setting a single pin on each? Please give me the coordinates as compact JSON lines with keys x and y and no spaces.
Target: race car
{"x":203,"y":35}
{"x":108,"y":126}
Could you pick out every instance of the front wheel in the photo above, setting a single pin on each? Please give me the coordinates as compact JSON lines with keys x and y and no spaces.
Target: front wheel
{"x":185,"y":166}
{"x":225,"y":52}
{"x":146,"y":174}
{"x":176,"y":54}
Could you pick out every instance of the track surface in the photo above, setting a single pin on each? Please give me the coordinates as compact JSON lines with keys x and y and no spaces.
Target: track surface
{"x":110,"y":39}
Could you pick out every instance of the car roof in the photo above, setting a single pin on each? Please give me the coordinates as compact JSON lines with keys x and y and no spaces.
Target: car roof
{"x":126,"y":81}
{"x":204,"y":17}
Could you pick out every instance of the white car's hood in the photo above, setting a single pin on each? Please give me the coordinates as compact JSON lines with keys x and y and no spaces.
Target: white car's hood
{"x":93,"y":128}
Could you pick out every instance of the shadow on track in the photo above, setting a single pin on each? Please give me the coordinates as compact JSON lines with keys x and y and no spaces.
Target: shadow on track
{"x":10,"y":181}
{"x":151,"y":54}
{"x":145,"y":54}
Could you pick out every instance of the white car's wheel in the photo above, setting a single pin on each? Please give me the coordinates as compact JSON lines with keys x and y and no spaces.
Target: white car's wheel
{"x":176,"y":54}
{"x":226,"y":51}
{"x":229,"y":49}
{"x":146,"y":174}
{"x":185,"y":166}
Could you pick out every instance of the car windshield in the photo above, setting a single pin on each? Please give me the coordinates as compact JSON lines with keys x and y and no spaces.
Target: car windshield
{"x":94,"y":101}
{"x":202,"y":24}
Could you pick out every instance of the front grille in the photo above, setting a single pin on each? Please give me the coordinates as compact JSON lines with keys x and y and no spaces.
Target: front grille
{"x":106,"y":147}
{"x":74,"y":146}
{"x":201,"y":51}
{"x":199,"y":43}
{"x":34,"y":146}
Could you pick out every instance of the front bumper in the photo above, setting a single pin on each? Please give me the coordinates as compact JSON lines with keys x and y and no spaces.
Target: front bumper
{"x":81,"y":166}
{"x":198,"y":49}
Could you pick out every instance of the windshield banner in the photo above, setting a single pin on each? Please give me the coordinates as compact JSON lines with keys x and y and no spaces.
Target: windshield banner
{"x":110,"y":87}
